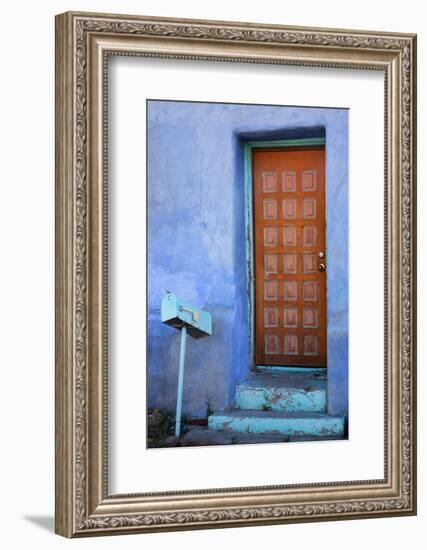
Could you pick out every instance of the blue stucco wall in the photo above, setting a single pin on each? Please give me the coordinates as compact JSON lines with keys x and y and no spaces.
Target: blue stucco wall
{"x":197,"y":248}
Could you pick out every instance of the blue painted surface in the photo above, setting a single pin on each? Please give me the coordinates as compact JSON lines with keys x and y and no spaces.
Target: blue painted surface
{"x":274,"y":369}
{"x":291,"y":392}
{"x":178,"y":415}
{"x":197,"y":242}
{"x":177,"y":313}
{"x":271,"y":422}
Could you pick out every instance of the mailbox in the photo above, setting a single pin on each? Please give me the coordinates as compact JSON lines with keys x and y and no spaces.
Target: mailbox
{"x":198,"y":323}
{"x":177,"y":313}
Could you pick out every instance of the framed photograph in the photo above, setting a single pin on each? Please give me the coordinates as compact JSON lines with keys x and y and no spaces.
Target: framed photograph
{"x":235,"y":274}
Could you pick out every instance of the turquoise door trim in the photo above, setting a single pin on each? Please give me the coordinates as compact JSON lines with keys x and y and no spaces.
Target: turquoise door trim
{"x":248,"y":148}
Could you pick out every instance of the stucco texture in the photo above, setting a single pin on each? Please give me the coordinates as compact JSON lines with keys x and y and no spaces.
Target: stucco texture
{"x":196,"y":242}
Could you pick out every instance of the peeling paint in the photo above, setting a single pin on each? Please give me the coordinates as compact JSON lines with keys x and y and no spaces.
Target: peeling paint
{"x":290,"y":393}
{"x":287,"y":424}
{"x":292,"y":405}
{"x":197,"y":241}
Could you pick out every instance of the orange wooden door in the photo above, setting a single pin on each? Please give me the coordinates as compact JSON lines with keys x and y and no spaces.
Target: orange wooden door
{"x":290,"y":257}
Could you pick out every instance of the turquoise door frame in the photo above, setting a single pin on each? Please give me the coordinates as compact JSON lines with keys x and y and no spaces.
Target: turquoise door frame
{"x":248,"y":148}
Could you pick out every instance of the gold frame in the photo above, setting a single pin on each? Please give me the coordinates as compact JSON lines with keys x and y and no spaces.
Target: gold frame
{"x":83,"y":43}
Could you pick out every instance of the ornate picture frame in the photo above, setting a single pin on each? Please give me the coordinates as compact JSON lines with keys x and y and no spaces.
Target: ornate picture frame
{"x":84,"y":42}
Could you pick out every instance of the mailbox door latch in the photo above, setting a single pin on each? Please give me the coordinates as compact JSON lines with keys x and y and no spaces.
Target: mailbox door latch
{"x":194,"y":313}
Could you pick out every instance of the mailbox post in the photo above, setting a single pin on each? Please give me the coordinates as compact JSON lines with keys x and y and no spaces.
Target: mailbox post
{"x":198,"y":323}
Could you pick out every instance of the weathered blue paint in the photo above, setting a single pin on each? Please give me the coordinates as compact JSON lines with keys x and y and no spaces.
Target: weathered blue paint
{"x":273,"y":422}
{"x":274,"y":369}
{"x":197,"y":241}
{"x":290,"y":393}
{"x":249,"y":233}
{"x":283,"y":143}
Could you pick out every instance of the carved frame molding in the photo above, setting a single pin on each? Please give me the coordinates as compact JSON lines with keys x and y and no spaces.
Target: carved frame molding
{"x":83,"y":43}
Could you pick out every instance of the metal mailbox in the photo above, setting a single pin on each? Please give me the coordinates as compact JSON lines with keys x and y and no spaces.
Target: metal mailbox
{"x":177,"y":313}
{"x":198,"y":323}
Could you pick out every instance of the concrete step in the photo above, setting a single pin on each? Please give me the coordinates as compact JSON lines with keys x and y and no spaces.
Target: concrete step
{"x":289,"y":424}
{"x":202,"y":436}
{"x":291,"y":392}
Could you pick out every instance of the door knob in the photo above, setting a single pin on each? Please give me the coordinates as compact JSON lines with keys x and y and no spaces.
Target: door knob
{"x":321,"y":267}
{"x":321,"y":254}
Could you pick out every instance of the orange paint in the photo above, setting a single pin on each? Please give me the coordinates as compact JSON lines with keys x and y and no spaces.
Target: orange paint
{"x":290,"y":288}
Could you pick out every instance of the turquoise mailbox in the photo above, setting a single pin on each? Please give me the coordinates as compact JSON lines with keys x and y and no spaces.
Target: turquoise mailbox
{"x":198,"y":323}
{"x":177,"y":313}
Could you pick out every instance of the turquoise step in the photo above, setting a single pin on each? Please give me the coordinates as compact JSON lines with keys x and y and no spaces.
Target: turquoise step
{"x":290,"y":424}
{"x":292,"y":392}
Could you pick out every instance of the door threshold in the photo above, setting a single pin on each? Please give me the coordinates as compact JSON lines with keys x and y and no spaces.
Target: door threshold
{"x":289,"y":369}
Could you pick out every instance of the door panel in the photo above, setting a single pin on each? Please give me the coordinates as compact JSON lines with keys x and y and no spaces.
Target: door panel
{"x":289,"y":239}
